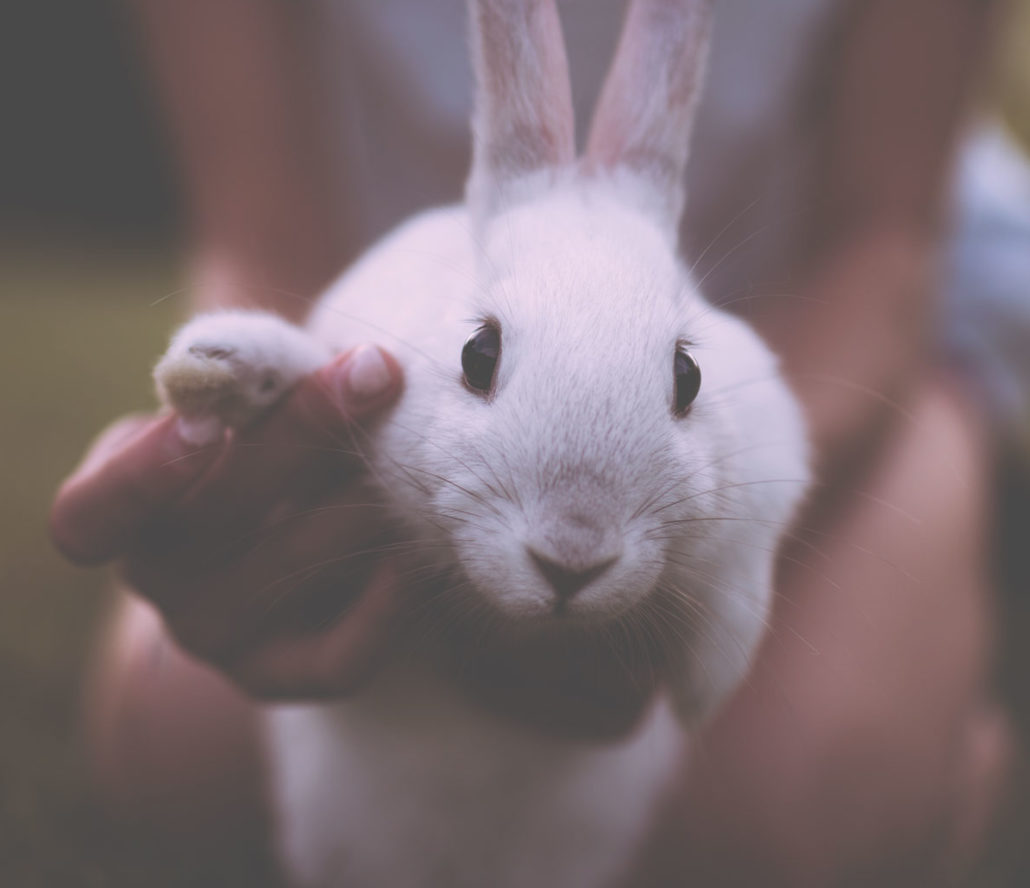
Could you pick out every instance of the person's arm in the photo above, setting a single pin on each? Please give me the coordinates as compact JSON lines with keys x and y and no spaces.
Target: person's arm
{"x":241,"y":101}
{"x":892,"y":104}
{"x":175,"y":747}
{"x":244,"y":109}
{"x":864,"y":741}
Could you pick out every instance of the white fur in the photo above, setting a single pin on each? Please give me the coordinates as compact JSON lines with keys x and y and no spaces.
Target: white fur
{"x":223,"y":369}
{"x":409,"y":786}
{"x":411,"y":782}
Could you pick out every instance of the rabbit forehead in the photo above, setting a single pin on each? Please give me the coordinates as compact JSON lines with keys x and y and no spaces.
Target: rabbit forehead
{"x":580,"y":224}
{"x":580,"y":259}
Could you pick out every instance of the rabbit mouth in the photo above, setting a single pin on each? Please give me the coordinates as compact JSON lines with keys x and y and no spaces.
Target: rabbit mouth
{"x":536,"y":614}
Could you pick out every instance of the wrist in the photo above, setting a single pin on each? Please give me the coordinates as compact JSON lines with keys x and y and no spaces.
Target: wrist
{"x":225,"y":279}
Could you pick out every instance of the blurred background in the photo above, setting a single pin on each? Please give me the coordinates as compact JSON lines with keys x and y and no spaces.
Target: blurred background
{"x":90,"y":265}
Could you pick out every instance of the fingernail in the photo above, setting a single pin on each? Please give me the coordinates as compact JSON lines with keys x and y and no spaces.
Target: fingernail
{"x":367,"y":375}
{"x":200,"y":432}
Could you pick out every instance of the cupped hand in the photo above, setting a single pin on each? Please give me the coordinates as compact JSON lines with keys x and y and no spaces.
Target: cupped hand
{"x":262,"y":551}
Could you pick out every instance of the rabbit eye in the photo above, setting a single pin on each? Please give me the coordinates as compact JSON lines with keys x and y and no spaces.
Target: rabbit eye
{"x":688,"y":380}
{"x":479,"y":358}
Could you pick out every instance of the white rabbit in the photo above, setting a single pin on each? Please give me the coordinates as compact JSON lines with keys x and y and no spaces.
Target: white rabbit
{"x":555,"y":451}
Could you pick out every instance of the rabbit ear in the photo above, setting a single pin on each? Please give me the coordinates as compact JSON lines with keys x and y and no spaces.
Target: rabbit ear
{"x":523,"y":119}
{"x":646,"y":110}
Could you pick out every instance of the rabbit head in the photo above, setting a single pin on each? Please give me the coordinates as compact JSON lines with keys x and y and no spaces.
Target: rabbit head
{"x":617,"y":448}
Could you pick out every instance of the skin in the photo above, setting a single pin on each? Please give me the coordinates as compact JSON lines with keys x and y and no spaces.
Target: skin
{"x":174,"y":743}
{"x":259,"y":179}
{"x":190,"y":527}
{"x":879,"y":749}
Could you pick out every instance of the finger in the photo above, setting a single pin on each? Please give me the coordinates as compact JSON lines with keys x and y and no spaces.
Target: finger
{"x":311,"y":435}
{"x":331,"y":663}
{"x":134,"y":470}
{"x":112,"y":439}
{"x":218,"y":604}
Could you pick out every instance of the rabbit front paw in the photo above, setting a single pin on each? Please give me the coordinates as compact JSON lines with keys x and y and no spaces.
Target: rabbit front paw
{"x":224,"y":369}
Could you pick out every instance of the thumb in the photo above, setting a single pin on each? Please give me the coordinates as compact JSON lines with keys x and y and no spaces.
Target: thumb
{"x":351,"y":388}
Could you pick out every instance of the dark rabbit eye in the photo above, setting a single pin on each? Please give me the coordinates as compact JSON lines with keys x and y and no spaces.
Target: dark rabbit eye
{"x":479,"y":358}
{"x":688,"y":380}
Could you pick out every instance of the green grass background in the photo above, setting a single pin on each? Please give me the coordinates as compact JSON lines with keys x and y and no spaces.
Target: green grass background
{"x":79,"y":329}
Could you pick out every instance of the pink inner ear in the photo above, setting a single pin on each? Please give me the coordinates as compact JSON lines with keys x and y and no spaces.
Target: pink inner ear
{"x":646,"y":110}
{"x":523,"y":119}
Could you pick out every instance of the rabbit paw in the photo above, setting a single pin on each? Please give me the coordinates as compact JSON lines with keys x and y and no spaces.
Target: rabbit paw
{"x":224,"y":369}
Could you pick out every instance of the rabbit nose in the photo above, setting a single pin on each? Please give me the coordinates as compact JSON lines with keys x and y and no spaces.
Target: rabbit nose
{"x":565,"y":579}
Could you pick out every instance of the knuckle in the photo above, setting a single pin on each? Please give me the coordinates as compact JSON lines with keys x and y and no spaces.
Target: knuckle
{"x":190,"y":637}
{"x":148,"y":577}
{"x":270,"y":680}
{"x":254,"y":685}
{"x":66,"y":533}
{"x":266,"y":685}
{"x":316,"y":407}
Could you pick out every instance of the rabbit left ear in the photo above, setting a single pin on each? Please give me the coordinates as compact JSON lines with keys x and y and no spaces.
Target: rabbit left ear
{"x":523,"y":120}
{"x":646,"y":111}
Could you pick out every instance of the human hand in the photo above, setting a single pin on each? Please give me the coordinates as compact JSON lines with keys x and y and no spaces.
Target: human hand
{"x":253,"y":547}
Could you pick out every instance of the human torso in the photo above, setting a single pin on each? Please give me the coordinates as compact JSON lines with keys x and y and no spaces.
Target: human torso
{"x":405,"y":93}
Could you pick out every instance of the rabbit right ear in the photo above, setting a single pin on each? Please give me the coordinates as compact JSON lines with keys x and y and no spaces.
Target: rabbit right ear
{"x":523,"y":121}
{"x":646,"y":110}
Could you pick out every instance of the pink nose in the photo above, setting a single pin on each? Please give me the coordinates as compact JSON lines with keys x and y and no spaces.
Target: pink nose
{"x":566,"y":580}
